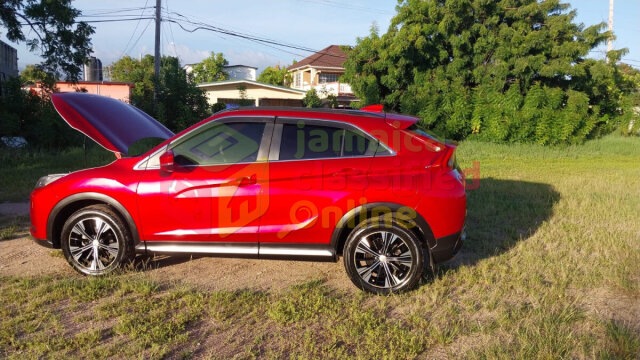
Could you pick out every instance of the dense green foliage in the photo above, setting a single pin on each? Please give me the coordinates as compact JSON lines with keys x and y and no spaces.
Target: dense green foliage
{"x":32,"y":74}
{"x":275,"y":75}
{"x":311,"y":99}
{"x":51,"y":29}
{"x":180,"y":102}
{"x":508,"y":70}
{"x":211,"y":69}
{"x":28,"y":115}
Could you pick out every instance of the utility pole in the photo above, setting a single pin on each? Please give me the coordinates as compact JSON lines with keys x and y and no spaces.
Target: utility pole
{"x":156,"y":57}
{"x":610,"y":41}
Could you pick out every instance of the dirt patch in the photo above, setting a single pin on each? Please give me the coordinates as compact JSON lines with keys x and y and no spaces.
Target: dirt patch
{"x":23,"y":257}
{"x":608,"y":304}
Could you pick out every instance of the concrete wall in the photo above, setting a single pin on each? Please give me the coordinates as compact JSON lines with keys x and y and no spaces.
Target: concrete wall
{"x":118,"y":91}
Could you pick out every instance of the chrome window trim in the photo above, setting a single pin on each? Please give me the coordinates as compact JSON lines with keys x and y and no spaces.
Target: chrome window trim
{"x":262,"y":153}
{"x":274,"y":154}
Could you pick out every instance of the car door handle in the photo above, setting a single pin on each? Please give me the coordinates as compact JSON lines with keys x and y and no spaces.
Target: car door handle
{"x":247,"y":180}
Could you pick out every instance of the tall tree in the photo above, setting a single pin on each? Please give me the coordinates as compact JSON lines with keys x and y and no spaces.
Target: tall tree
{"x":275,"y":75}
{"x":508,"y":70}
{"x":211,"y":69}
{"x":63,"y":42}
{"x":180,"y":102}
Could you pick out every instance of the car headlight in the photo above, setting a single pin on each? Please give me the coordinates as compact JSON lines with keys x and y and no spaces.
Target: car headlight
{"x":48,"y":179}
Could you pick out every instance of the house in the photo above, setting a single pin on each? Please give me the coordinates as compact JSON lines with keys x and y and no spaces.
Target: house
{"x":236,"y":72}
{"x":260,"y":94}
{"x":115,"y":90}
{"x":322,"y":71}
{"x":8,"y":62}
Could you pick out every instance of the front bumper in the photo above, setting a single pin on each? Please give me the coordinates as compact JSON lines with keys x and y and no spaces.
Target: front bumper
{"x":448,"y":246}
{"x":43,"y":242}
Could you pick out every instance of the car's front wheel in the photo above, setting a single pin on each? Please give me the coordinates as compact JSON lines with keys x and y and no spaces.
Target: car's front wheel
{"x":95,"y":240}
{"x":383,"y":257}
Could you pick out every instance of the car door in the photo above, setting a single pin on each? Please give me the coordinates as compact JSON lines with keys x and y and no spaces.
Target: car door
{"x":214,"y":193}
{"x":317,"y":172}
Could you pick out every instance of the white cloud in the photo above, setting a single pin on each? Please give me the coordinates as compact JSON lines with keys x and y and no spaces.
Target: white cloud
{"x":185,"y":54}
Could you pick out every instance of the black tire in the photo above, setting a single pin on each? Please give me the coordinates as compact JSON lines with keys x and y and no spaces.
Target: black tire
{"x":78,"y":241}
{"x":369,"y":265}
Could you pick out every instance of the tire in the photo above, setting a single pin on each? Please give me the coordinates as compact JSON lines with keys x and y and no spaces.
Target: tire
{"x":375,"y":270}
{"x":96,"y":229}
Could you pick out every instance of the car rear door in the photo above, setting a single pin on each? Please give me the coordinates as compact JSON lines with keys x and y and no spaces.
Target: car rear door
{"x":317,"y":172}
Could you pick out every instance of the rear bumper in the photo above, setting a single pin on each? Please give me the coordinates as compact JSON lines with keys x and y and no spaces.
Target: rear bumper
{"x":447,"y":246}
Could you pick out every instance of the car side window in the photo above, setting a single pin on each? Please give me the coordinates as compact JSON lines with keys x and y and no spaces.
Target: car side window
{"x":312,"y":141}
{"x":356,"y":144}
{"x":306,"y":141}
{"x":221,"y":143}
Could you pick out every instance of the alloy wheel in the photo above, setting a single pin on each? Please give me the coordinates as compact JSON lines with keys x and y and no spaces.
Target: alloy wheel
{"x":93,"y":245}
{"x":383,"y":259}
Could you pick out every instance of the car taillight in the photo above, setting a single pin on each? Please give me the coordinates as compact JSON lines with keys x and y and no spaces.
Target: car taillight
{"x":449,"y":158}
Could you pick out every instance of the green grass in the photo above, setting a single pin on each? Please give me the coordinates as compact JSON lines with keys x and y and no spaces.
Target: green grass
{"x":21,"y":169}
{"x":550,"y":270}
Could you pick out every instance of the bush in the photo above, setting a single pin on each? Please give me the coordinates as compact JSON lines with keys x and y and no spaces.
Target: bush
{"x":507,"y":70}
{"x":311,"y":99}
{"x":219,"y":106}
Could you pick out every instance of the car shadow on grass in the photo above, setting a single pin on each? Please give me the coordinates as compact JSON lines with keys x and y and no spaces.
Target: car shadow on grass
{"x":501,"y":213}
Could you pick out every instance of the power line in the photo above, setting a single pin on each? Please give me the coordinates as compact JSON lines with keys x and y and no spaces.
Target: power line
{"x":204,"y":26}
{"x":134,"y":30}
{"x":173,"y":40}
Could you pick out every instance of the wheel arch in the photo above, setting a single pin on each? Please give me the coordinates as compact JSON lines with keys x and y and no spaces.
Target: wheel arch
{"x":67,"y":206}
{"x":366,"y":211}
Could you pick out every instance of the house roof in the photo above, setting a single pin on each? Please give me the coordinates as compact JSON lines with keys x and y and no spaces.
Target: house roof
{"x":331,"y":56}
{"x":240,"y":65}
{"x":241,"y":81}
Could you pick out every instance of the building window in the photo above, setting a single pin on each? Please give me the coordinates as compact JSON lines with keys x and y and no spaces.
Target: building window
{"x":298,"y":79}
{"x":327,"y":78}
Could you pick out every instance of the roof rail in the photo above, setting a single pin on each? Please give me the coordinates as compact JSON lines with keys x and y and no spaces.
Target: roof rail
{"x":311,"y":110}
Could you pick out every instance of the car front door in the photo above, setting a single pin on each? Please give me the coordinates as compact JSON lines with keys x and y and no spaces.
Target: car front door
{"x":214,"y":193}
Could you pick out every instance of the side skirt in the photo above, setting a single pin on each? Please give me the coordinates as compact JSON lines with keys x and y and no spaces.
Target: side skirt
{"x":303,"y":252}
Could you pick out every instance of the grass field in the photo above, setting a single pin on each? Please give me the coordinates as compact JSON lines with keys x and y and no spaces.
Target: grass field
{"x":550,"y":270}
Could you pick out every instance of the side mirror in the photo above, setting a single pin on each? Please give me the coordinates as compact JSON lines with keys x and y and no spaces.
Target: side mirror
{"x":166,"y":161}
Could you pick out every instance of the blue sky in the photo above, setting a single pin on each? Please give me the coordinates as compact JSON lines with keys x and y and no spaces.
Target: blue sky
{"x":311,"y":23}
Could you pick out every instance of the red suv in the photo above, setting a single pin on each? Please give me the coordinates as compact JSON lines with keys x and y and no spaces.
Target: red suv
{"x":269,"y":183}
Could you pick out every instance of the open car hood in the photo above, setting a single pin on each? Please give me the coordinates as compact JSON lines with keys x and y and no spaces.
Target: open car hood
{"x":111,"y":123}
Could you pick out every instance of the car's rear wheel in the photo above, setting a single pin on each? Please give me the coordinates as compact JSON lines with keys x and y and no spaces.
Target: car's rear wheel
{"x":95,"y":241}
{"x":383,"y":257}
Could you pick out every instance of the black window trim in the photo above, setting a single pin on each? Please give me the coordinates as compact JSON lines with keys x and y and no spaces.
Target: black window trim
{"x":274,"y":152}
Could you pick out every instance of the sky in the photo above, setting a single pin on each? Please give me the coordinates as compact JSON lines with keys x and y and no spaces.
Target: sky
{"x":313,"y":24}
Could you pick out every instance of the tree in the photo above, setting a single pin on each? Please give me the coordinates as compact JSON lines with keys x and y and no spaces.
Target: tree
{"x":211,"y":69}
{"x":508,"y":70}
{"x":32,"y":74}
{"x":275,"y":75}
{"x":311,"y":99}
{"x":180,"y":102}
{"x":63,"y":42}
